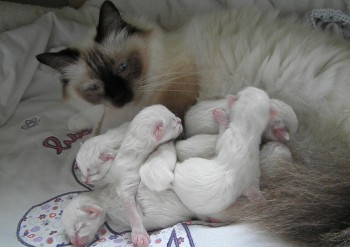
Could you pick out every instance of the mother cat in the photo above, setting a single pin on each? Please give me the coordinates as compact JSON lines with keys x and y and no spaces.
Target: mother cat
{"x":133,"y":64}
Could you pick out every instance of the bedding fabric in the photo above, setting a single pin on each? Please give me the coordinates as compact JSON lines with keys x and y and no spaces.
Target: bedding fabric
{"x":37,"y":150}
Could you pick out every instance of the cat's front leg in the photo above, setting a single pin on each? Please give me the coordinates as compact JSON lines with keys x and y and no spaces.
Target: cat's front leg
{"x":139,"y":235}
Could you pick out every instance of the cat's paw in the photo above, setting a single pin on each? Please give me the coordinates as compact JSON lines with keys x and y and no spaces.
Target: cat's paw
{"x":140,"y":237}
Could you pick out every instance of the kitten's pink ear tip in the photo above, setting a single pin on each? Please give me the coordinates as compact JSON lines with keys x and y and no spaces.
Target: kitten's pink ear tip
{"x":231,"y":99}
{"x":281,"y":134}
{"x":106,"y":157}
{"x":93,"y":211}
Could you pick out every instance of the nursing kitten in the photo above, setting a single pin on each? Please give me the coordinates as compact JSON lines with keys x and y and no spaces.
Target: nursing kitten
{"x":202,"y":130}
{"x":132,"y":65}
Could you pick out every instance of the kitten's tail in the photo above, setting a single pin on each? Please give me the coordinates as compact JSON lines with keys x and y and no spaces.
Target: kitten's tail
{"x":307,"y":206}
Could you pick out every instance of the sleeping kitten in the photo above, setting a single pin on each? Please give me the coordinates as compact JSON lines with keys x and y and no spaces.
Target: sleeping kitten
{"x":96,"y":155}
{"x":208,"y":186}
{"x":85,"y":214}
{"x":136,"y":64}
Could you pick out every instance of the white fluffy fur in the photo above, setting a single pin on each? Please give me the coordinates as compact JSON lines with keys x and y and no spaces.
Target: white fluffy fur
{"x":202,"y":146}
{"x":208,"y":186}
{"x":157,"y":172}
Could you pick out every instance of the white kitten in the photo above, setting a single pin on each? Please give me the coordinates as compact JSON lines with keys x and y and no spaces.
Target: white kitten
{"x":199,"y":123}
{"x":95,"y":156}
{"x":151,"y":127}
{"x":82,"y":218}
{"x":208,"y":186}
{"x":85,"y":214}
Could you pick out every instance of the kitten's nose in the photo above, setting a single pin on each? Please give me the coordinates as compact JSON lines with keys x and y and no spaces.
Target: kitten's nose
{"x":178,"y":120}
{"x":86,"y":180}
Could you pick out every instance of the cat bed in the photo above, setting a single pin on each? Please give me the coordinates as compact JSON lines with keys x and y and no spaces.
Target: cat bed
{"x":38,"y":175}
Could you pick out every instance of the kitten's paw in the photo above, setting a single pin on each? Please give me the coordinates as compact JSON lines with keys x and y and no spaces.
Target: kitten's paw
{"x":221,"y":117}
{"x":140,"y":238}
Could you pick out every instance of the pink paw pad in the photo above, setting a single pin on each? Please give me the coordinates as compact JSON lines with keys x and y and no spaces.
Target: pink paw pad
{"x":140,"y":238}
{"x":220,"y":116}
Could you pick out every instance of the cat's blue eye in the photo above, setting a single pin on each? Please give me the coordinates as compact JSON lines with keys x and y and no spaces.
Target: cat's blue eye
{"x":122,"y":67}
{"x":92,"y":87}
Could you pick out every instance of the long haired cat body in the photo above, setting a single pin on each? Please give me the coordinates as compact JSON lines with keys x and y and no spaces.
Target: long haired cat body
{"x":130,"y":66}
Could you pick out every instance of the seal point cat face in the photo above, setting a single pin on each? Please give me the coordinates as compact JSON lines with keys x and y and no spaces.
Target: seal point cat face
{"x":111,"y":70}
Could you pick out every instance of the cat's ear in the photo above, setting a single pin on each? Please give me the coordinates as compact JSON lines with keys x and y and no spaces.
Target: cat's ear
{"x":59,"y":60}
{"x":231,"y":99}
{"x":158,"y":131}
{"x":106,"y":156}
{"x":110,"y":21}
{"x":92,"y":211}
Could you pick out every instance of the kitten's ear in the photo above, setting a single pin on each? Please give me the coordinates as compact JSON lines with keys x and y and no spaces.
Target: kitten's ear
{"x":106,"y":157}
{"x":281,"y":134}
{"x":59,"y":60}
{"x":231,"y":99}
{"x":110,"y":21}
{"x":158,"y":131}
{"x":92,"y":210}
{"x":273,"y":113}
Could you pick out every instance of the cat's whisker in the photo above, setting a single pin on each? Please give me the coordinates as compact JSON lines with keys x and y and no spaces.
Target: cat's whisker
{"x":167,"y":90}
{"x":162,"y":82}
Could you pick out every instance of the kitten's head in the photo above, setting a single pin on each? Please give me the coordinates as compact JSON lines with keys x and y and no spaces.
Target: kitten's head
{"x":94,"y":160}
{"x":111,"y":69}
{"x":283,"y":123}
{"x":155,"y":125}
{"x":81,"y":219}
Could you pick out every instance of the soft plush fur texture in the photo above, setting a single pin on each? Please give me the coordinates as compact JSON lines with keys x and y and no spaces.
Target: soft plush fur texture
{"x":222,"y":53}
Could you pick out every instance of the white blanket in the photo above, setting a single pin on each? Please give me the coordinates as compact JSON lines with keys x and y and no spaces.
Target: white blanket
{"x":37,"y":151}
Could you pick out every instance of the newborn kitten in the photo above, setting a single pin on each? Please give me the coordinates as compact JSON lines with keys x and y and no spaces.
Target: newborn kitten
{"x":85,"y":214}
{"x":208,"y":186}
{"x":202,"y":130}
{"x":96,"y":155}
{"x":151,"y":127}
